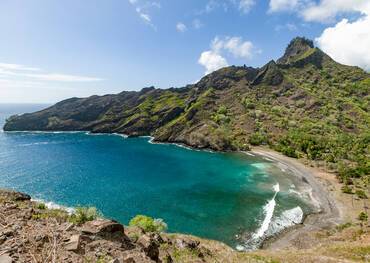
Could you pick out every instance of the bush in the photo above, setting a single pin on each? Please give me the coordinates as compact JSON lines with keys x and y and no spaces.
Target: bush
{"x":41,"y":206}
{"x":363,"y":216}
{"x":148,"y":224}
{"x":83,"y":215}
{"x":347,"y":190}
{"x":257,"y":139}
{"x":361,"y":194}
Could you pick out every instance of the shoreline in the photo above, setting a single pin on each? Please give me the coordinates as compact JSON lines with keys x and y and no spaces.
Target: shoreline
{"x":331,"y":211}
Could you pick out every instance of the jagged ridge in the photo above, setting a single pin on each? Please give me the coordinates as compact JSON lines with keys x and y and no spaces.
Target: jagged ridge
{"x":305,"y":98}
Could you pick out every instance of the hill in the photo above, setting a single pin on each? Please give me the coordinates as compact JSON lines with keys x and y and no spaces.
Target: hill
{"x":304,"y":105}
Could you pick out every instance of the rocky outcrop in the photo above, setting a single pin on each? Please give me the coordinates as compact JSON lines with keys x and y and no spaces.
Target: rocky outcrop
{"x":32,"y":234}
{"x":257,"y":103}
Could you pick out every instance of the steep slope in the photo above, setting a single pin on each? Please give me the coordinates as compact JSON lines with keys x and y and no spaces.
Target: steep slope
{"x":305,"y":104}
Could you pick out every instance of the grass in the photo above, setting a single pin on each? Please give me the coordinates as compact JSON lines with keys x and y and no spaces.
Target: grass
{"x":82,"y":215}
{"x":148,"y":224}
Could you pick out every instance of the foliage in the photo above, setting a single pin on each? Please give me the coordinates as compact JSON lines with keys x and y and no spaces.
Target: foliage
{"x":361,"y":194}
{"x":363,"y":216}
{"x":257,"y":138}
{"x":41,"y":206}
{"x":148,"y":224}
{"x":347,"y":189}
{"x":82,"y":215}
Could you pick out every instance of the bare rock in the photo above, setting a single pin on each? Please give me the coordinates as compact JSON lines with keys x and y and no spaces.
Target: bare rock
{"x":184,"y":243}
{"x":102,"y":227}
{"x":5,"y":259}
{"x":150,"y":246}
{"x":136,"y":256}
{"x":74,"y":243}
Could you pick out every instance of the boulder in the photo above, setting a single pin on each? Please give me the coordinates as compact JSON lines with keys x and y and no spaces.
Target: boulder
{"x":136,"y":256}
{"x":5,"y":259}
{"x":184,"y":243}
{"x":102,"y":227}
{"x":74,"y":243}
{"x":150,"y":246}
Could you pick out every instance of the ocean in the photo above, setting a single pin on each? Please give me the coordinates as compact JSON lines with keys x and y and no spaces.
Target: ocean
{"x":235,"y":198}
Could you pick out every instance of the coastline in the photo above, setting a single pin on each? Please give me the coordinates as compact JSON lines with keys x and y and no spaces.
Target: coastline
{"x":331,"y":211}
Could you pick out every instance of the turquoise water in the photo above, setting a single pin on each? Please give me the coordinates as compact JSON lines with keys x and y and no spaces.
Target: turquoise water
{"x":212,"y":195}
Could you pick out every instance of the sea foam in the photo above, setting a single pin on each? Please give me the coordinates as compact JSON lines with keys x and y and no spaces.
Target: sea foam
{"x":269,"y":212}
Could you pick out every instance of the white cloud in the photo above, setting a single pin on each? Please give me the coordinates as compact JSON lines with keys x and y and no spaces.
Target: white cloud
{"x":181,"y":27}
{"x":288,"y":26}
{"x":246,"y":5}
{"x":283,"y":5}
{"x":347,"y":42}
{"x":243,"y":5}
{"x":327,"y":10}
{"x":142,"y":9}
{"x":7,"y":66}
{"x":213,"y":59}
{"x":234,"y":45}
{"x":322,"y":10}
{"x":197,"y":24}
{"x":11,"y":72}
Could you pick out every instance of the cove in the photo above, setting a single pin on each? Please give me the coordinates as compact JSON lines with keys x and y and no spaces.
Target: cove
{"x":230,"y":197}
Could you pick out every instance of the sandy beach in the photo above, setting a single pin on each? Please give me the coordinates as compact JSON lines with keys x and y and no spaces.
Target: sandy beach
{"x":335,"y":207}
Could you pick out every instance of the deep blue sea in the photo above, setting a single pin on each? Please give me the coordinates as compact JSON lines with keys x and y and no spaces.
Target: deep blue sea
{"x":234,"y":198}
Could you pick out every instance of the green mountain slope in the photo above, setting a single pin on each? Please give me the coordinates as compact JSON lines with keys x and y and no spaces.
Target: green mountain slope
{"x":305,"y":104}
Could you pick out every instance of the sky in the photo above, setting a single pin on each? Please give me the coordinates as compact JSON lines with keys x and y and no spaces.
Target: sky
{"x":51,"y":50}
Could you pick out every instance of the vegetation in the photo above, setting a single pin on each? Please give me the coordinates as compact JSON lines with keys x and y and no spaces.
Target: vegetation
{"x":305,"y":106}
{"x":363,"y":216}
{"x":82,"y":215}
{"x":41,"y":206}
{"x":148,"y":224}
{"x":361,"y":194}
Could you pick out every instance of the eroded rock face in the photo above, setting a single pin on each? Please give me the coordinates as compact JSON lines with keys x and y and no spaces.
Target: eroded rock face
{"x":28,"y":234}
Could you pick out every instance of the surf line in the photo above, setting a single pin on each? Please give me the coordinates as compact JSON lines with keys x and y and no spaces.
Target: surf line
{"x":269,"y":212}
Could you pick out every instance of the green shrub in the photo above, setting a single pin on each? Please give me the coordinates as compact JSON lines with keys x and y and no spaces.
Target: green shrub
{"x":83,"y":215}
{"x":222,"y":110}
{"x":343,"y":226}
{"x":363,"y":216}
{"x":41,"y":206}
{"x":148,"y":224}
{"x":257,"y":139}
{"x":361,"y":194}
{"x":347,"y":190}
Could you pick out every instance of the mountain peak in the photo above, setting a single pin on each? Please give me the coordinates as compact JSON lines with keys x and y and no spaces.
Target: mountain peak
{"x":296,"y":48}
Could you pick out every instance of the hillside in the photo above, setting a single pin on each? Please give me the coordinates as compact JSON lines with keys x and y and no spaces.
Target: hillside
{"x":31,"y":232}
{"x":303,"y":105}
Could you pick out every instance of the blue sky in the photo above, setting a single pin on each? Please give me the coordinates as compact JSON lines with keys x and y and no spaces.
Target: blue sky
{"x":52,"y":49}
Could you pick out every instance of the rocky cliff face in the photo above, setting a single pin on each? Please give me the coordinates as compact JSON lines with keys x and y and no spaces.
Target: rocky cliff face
{"x":30,"y":232}
{"x":304,"y":94}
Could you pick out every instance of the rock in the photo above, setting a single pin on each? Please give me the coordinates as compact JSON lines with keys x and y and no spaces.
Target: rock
{"x":74,"y":243}
{"x":102,"y":227}
{"x":14,"y":196}
{"x":5,"y":259}
{"x":150,"y":246}
{"x":69,"y":227}
{"x":135,"y":256}
{"x":116,"y":260}
{"x":184,"y":243}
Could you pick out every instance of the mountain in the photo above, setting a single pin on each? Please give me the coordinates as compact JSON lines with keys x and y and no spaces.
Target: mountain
{"x":304,"y":104}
